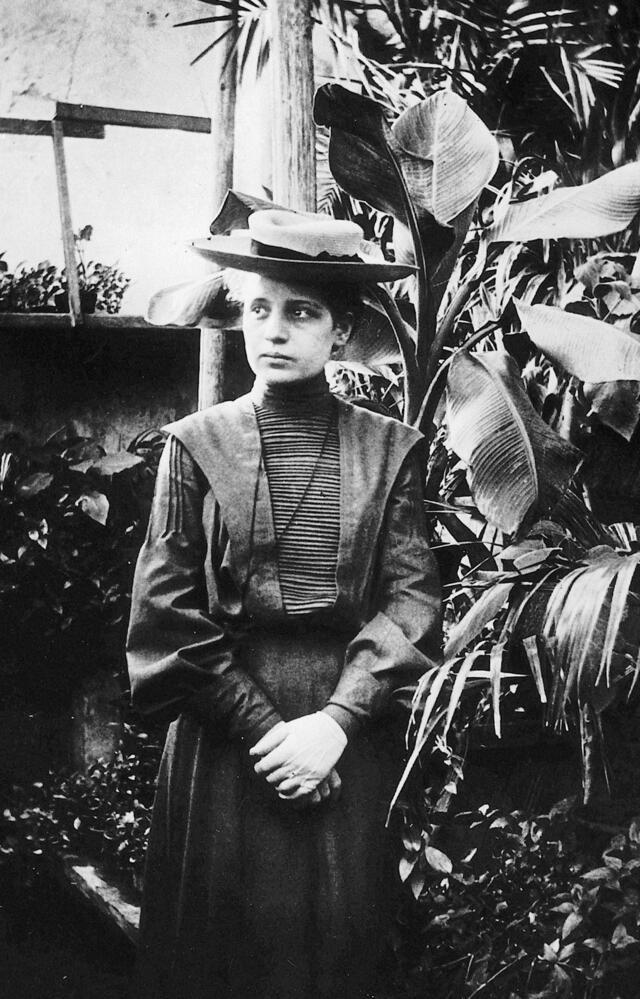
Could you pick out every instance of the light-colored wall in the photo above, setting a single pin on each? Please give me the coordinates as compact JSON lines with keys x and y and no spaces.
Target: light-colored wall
{"x":146,"y":193}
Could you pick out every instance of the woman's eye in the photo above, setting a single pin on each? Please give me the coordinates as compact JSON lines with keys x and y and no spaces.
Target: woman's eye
{"x":258,"y":310}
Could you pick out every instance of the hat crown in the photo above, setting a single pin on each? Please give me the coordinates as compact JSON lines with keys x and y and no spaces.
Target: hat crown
{"x":306,"y":233}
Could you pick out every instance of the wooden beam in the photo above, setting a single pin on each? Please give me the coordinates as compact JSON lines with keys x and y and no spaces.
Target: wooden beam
{"x":68,"y":241}
{"x":294,"y":168}
{"x":33,"y":126}
{"x":216,"y":356}
{"x":132,"y":119}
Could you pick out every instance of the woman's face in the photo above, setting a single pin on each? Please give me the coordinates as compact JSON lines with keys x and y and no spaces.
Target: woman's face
{"x":289,"y":331}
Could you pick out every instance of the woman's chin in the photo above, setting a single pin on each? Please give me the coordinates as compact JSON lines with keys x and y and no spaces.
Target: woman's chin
{"x":282,"y":374}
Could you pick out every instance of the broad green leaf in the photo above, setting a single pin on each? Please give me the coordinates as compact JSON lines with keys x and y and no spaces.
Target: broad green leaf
{"x":447,"y":154}
{"x":365,"y":164}
{"x":517,"y":465}
{"x":235,"y":211}
{"x":606,"y":205}
{"x":186,"y":304}
{"x":33,"y":484}
{"x":438,"y":860}
{"x":364,"y":160}
{"x":592,"y":350}
{"x":95,"y":505}
{"x":406,"y":866}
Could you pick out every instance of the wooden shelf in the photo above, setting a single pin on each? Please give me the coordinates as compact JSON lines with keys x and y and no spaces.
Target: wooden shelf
{"x":106,"y":898}
{"x":98,"y":322}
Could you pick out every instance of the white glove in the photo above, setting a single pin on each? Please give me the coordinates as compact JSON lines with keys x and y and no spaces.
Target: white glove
{"x":296,"y":756}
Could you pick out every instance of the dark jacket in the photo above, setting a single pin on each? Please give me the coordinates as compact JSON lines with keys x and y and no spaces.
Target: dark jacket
{"x":208,"y":571}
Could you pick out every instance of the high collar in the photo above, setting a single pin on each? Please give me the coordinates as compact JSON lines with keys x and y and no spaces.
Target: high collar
{"x":310,"y":392}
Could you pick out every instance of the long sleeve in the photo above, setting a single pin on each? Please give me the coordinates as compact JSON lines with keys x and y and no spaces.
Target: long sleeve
{"x":403,"y":637}
{"x":179,"y":657}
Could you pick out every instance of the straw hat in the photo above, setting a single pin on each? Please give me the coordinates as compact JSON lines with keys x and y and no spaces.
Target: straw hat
{"x":297,"y":246}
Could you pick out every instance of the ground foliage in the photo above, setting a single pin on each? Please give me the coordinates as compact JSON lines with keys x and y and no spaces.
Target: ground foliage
{"x":520,"y":906}
{"x":103,"y":814}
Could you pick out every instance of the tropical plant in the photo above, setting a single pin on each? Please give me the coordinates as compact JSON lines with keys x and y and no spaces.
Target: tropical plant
{"x":518,"y":450}
{"x":72,"y":519}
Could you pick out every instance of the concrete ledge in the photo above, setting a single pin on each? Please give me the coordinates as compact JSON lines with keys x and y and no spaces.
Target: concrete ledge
{"x":104,"y":897}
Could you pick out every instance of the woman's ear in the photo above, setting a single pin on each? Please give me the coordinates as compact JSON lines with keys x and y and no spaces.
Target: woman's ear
{"x":342,"y":329}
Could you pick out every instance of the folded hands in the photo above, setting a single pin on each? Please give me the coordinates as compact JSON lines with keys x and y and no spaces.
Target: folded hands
{"x":298,"y":758}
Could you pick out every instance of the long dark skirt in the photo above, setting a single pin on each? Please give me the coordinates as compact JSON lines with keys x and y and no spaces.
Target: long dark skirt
{"x":247,"y":897}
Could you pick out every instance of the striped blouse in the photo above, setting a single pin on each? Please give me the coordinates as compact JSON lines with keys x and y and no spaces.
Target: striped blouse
{"x":301,"y":452}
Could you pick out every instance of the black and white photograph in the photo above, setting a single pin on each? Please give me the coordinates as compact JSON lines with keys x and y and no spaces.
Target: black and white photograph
{"x":319,"y":499}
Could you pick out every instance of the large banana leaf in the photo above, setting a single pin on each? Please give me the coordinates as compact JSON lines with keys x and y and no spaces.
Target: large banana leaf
{"x":426,"y":171}
{"x":447,"y":154}
{"x":364,"y":160}
{"x":188,"y":303}
{"x":517,"y":465}
{"x":235,"y":211}
{"x":588,"y":348}
{"x":603,"y":356}
{"x":606,"y":205}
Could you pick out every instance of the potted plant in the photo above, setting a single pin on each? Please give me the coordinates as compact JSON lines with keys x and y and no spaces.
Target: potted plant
{"x":29,"y":289}
{"x":102,"y":286}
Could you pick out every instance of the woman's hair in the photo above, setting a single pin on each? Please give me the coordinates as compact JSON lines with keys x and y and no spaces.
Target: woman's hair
{"x":341,"y":298}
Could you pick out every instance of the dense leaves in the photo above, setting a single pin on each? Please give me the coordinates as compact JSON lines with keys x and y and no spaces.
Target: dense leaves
{"x":104,"y":814}
{"x":71,"y":521}
{"x":533,"y":907}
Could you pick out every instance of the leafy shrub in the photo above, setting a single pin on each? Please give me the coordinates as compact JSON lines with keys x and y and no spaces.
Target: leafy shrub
{"x":525,"y":907}
{"x":29,"y":289}
{"x":44,"y":288}
{"x":72,"y":519}
{"x":104,"y":814}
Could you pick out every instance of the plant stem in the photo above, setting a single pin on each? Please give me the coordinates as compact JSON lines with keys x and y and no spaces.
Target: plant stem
{"x":424,"y":420}
{"x":407,"y":351}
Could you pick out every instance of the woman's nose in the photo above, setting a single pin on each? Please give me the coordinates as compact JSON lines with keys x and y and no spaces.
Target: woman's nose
{"x":276,"y":328}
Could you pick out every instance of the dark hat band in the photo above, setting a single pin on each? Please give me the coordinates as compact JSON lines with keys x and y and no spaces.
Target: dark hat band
{"x":283,"y":253}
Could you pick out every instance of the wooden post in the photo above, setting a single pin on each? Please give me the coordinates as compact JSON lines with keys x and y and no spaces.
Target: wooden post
{"x":215,"y":349}
{"x":294,"y":166}
{"x":68,"y":242}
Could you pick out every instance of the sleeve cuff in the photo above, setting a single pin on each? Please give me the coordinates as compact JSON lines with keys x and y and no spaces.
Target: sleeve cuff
{"x":347,"y":721}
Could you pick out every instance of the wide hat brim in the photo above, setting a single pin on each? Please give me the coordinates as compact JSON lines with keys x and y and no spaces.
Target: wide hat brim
{"x":236,"y":252}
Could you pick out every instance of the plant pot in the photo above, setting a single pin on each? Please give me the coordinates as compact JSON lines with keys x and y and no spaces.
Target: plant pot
{"x":88,"y":299}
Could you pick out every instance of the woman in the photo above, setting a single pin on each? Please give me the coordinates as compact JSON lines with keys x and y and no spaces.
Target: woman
{"x":284,"y":591}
